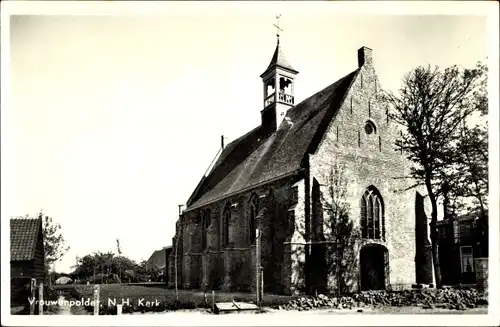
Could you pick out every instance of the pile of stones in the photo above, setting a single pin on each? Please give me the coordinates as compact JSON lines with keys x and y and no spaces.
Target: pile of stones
{"x":458,"y":299}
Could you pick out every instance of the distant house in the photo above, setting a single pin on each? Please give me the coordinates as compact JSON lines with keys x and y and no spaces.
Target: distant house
{"x":63,"y":280}
{"x":159,"y":260}
{"x":26,"y":255}
{"x":461,"y":240}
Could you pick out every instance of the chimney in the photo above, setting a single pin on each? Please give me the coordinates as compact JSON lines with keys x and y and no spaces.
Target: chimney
{"x":365,"y":56}
{"x":181,"y":207}
{"x":222,"y":142}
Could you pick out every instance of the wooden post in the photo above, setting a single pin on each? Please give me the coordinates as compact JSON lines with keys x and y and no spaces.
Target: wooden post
{"x":261,"y":283}
{"x":33,"y":297}
{"x":175,"y":267}
{"x":96,"y":300}
{"x":257,"y":265}
{"x":213,"y":301}
{"x":176,"y":245}
{"x":40,"y":299}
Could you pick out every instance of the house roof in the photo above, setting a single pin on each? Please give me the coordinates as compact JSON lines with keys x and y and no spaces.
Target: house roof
{"x":63,"y":280}
{"x":279,"y":60}
{"x":256,"y":158}
{"x":474,"y":214}
{"x":23,"y":238}
{"x":158,"y":258}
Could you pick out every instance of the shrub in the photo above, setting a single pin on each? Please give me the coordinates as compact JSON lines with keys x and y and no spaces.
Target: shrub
{"x":75,"y":293}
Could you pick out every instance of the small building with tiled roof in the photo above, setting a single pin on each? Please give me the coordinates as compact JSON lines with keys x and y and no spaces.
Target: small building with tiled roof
{"x":274,"y":178}
{"x":27,"y":258}
{"x":159,"y":259}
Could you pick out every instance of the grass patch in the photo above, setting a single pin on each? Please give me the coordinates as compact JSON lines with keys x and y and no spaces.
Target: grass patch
{"x":159,"y":297}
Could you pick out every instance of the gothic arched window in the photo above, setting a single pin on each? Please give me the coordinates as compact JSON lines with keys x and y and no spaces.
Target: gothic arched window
{"x":205,"y":221}
{"x":372,"y":215}
{"x":254,"y":211}
{"x":226,"y":218}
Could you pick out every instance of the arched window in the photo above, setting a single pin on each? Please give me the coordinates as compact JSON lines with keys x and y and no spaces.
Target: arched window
{"x":226,"y":219}
{"x":270,"y":87}
{"x":372,"y":215}
{"x":364,"y":231}
{"x":254,"y":211}
{"x":285,"y":85}
{"x":205,"y":221}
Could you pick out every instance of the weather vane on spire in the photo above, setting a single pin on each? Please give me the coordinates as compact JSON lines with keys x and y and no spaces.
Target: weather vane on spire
{"x":278,"y":29}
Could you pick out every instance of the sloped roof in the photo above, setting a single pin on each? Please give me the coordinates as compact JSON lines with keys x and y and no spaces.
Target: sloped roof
{"x":158,"y":258}
{"x":23,"y":238}
{"x":255,"y":158}
{"x":63,"y":280}
{"x":279,"y":60}
{"x":472,"y":215}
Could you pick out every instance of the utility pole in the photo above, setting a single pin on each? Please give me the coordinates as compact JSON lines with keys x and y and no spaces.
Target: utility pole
{"x":119,"y":250}
{"x":175,"y":258}
{"x":257,"y":266}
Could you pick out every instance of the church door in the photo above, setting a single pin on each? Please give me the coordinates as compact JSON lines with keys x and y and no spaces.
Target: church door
{"x":373,"y":262}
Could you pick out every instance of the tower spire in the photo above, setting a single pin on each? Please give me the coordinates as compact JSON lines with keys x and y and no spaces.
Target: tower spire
{"x":278,"y":80}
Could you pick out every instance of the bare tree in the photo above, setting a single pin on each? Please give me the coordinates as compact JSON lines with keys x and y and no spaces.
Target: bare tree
{"x":471,"y":182}
{"x":472,"y":166}
{"x":431,"y":106}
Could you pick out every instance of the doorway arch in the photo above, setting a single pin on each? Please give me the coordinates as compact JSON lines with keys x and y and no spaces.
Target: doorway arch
{"x":374,"y":267}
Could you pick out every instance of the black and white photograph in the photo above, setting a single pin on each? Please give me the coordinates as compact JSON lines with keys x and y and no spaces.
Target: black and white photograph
{"x":249,"y":163}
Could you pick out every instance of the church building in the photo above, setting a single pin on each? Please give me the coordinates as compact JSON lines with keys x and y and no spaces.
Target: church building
{"x":275,"y":183}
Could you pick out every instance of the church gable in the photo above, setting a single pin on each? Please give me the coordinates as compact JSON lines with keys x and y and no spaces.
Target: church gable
{"x":362,"y":136}
{"x":360,"y":143}
{"x":362,"y":125}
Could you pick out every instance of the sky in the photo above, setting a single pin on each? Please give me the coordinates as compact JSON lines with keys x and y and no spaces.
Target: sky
{"x":113,"y":120}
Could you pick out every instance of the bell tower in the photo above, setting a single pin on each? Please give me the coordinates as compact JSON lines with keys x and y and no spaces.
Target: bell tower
{"x":278,"y":80}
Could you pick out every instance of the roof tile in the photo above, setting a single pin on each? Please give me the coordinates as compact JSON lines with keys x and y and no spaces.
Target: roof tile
{"x":23,"y":238}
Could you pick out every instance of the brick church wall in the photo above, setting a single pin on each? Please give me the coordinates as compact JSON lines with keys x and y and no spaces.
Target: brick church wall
{"x":423,"y":256}
{"x":172,"y":258}
{"x":294,"y":256}
{"x":371,"y":160}
{"x":232,"y":267}
{"x":191,"y":263}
